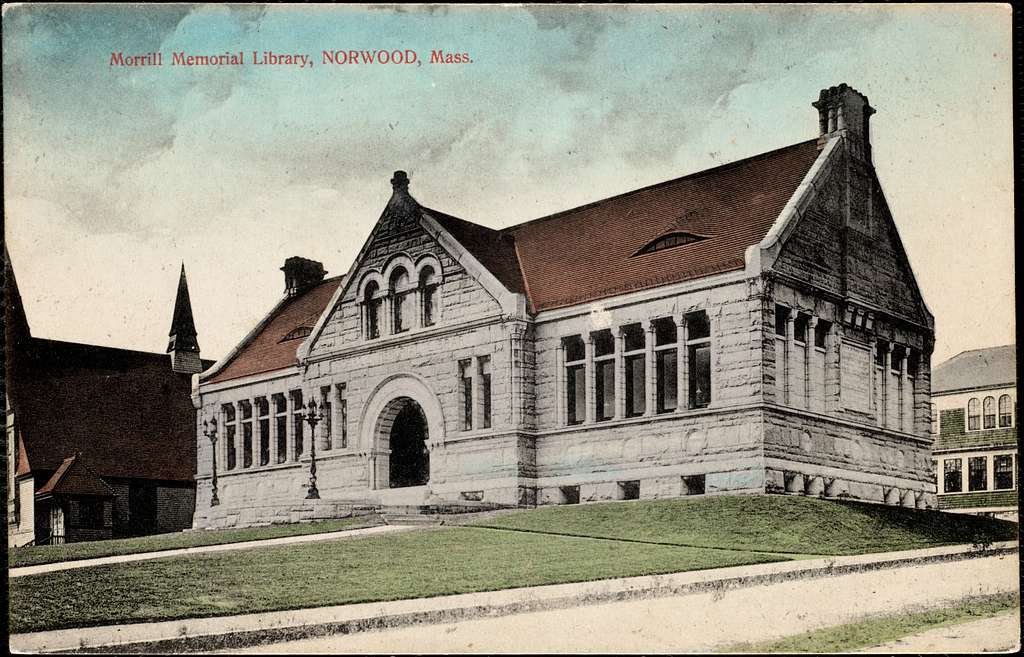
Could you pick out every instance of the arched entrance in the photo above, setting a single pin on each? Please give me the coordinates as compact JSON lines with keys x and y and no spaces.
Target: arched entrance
{"x":409,"y":461}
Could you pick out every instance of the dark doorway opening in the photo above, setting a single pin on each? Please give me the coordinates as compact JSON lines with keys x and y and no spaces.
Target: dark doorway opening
{"x":410,"y":460}
{"x":141,"y":509}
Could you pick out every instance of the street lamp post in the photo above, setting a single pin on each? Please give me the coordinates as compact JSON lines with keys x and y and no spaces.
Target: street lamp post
{"x":210,"y":431}
{"x":313,"y":416}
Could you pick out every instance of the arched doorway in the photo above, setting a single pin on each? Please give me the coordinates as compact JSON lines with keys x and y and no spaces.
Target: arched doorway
{"x":409,"y":461}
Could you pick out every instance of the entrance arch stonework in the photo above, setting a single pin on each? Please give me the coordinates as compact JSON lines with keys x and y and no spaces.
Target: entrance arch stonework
{"x":379,"y":414}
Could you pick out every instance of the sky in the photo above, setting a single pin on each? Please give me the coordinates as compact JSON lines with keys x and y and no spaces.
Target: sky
{"x":115,"y":176}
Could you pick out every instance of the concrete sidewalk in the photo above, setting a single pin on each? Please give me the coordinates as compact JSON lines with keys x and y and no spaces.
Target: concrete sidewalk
{"x":261,"y":628}
{"x":225,"y":547}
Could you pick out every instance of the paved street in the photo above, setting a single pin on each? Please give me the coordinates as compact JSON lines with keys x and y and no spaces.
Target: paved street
{"x":697,"y":622}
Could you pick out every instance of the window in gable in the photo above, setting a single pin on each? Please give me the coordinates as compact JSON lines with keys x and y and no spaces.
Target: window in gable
{"x":296,"y":333}
{"x":669,"y":241}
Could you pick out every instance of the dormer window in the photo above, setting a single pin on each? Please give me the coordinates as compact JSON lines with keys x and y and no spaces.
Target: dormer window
{"x":296,"y":333}
{"x":670,"y":240}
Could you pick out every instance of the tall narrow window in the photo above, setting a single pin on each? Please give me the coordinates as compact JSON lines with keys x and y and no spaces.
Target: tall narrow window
{"x":821,"y":330}
{"x":899,"y":352}
{"x":952,"y":480}
{"x":1005,"y":414}
{"x":977,"y":473}
{"x":973,"y":414}
{"x":485,"y":391}
{"x":881,"y":349}
{"x":913,"y":362}
{"x":246,"y":408}
{"x":634,"y":369}
{"x":1003,"y":472}
{"x":326,"y":424}
{"x":575,"y":379}
{"x":263,"y":411}
{"x":428,"y":295}
{"x":371,"y":304}
{"x":698,"y":346}
{"x":281,"y":427}
{"x":297,"y":422}
{"x":342,"y":428}
{"x":800,"y":328}
{"x":229,"y":435}
{"x":604,"y":374}
{"x":466,"y":385}
{"x":989,"y":407}
{"x":665,"y":356}
{"x":401,"y":296}
{"x":781,"y":319}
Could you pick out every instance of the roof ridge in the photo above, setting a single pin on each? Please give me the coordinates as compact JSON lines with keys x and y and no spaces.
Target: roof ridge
{"x":101,"y":346}
{"x":657,"y":185}
{"x":971,"y":351}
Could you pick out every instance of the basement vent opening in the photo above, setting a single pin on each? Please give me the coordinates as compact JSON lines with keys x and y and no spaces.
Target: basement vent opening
{"x":296,"y":333}
{"x":670,"y":240}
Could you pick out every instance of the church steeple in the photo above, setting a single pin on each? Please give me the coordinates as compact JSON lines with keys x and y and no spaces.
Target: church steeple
{"x":183,"y":346}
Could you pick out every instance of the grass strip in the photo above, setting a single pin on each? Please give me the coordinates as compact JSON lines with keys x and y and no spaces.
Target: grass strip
{"x":879,"y":630}
{"x":376,"y":568}
{"x":780,"y":524}
{"x":40,"y":554}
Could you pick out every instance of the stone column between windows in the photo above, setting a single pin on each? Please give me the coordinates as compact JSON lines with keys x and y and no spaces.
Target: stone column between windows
{"x":589,"y":379}
{"x":289,"y":427}
{"x":833,"y":369}
{"x":990,"y":472}
{"x":809,"y":356}
{"x":620,"y":373}
{"x":515,"y":357}
{"x":387,"y":322}
{"x":904,"y":368}
{"x":682,"y":371}
{"x":787,"y":361}
{"x":886,"y":367}
{"x":560,"y":389}
{"x":965,"y":463}
{"x":272,"y":426}
{"x":713,"y":357}
{"x":650,"y":379}
{"x":476,"y":386}
{"x":416,"y":321}
{"x":922,"y":401}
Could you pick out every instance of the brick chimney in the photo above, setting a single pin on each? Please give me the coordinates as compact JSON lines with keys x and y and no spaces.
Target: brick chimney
{"x":301,"y":274}
{"x":844,"y":112}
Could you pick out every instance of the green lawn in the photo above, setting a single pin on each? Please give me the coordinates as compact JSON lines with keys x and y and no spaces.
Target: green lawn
{"x":880,"y":630}
{"x":37,"y":554}
{"x":770,"y":523}
{"x":409,"y":565}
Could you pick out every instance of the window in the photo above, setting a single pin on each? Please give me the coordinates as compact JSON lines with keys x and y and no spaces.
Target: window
{"x":1003,"y":472}
{"x":698,"y":346}
{"x":343,"y":416}
{"x":604,"y":374}
{"x":952,"y":481}
{"x":229,"y":435}
{"x":575,"y":379}
{"x":263,"y":411}
{"x":466,"y":386}
{"x":670,"y":240}
{"x":973,"y":414}
{"x":326,"y":423}
{"x":630,"y":490}
{"x":428,"y":295}
{"x":800,"y":328}
{"x":1005,"y":414}
{"x":977,"y":473}
{"x":693,"y":485}
{"x":246,"y":408}
{"x":372,"y":303}
{"x":297,"y":423}
{"x":281,"y":426}
{"x":881,"y":349}
{"x":781,"y":319}
{"x":485,"y":391}
{"x":665,"y":364}
{"x":400,"y":298}
{"x":896,"y":362}
{"x":90,"y":514}
{"x":821,"y":331}
{"x":989,"y":406}
{"x":634,"y":369}
{"x":913,"y":362}
{"x":571,"y":494}
{"x":296,"y":333}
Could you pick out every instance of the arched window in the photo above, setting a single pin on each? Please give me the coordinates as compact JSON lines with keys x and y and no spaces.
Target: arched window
{"x":1005,"y":412}
{"x":990,"y":412}
{"x":428,"y":296}
{"x":372,"y":310}
{"x":400,"y":299}
{"x":973,"y":414}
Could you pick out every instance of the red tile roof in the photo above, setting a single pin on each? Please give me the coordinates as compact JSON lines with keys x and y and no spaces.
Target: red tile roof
{"x":266,"y":352}
{"x":590,"y":252}
{"x":74,"y":477}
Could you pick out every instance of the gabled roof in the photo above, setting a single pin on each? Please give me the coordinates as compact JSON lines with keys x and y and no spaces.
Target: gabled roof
{"x":994,"y":367}
{"x":127,"y":411}
{"x":267,"y":351}
{"x":74,"y":477}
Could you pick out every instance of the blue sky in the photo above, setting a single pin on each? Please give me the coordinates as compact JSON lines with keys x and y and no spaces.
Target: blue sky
{"x":114,"y":176}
